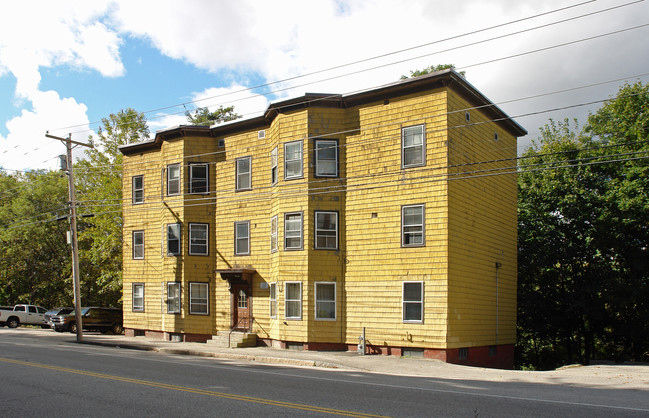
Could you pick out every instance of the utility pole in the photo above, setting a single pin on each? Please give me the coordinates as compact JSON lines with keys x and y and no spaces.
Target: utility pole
{"x":73,"y":229}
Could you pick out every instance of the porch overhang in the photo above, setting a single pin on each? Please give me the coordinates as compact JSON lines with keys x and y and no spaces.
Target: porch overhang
{"x":237,"y":276}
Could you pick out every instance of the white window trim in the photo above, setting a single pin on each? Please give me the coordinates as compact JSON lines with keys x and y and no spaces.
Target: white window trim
{"x":207,"y":298}
{"x":207,"y":238}
{"x":317,"y":318}
{"x":139,"y":308}
{"x":286,"y":300}
{"x":175,"y":180}
{"x":334,"y":144}
{"x":423,"y":226}
{"x":180,"y":241}
{"x":301,"y":159}
{"x":423,"y":147}
{"x":139,"y":232}
{"x":323,"y":212}
{"x":238,"y":173}
{"x":137,"y":201}
{"x":272,"y":301}
{"x":274,"y":234}
{"x":274,"y":166}
{"x":301,"y":231}
{"x":191,"y":177}
{"x":236,"y":237}
{"x":403,"y":303}
{"x":180,"y":300}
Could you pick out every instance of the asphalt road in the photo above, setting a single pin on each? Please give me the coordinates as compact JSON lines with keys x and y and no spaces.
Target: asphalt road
{"x":52,"y":376}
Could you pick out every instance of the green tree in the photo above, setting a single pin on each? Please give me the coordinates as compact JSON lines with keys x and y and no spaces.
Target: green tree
{"x":203,"y":116}
{"x":583,"y":238}
{"x":99,"y":190}
{"x":432,"y":69}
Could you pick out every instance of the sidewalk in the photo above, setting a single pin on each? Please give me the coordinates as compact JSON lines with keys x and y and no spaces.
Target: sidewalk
{"x":611,"y":376}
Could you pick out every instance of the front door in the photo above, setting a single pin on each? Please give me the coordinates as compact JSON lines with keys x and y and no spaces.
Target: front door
{"x":241,"y":307}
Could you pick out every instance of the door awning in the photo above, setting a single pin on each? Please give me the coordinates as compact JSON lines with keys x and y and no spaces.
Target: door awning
{"x":242,"y":275}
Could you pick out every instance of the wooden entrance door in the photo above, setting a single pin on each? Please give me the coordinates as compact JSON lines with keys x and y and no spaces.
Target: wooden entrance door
{"x":241,"y":318}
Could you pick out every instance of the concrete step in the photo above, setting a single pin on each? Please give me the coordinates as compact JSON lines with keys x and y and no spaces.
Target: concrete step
{"x":233,"y":339}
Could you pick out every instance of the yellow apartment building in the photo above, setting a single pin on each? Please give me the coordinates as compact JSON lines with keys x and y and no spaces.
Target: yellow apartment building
{"x":388,"y":213}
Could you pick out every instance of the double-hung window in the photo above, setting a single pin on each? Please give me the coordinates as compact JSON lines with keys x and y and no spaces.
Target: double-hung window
{"x":293,"y":231}
{"x":138,"y":297}
{"x":325,"y":301}
{"x":138,"y":189}
{"x":242,"y":238}
{"x":272,"y":300}
{"x":173,"y":239}
{"x":293,"y":160}
{"x":293,"y":300}
{"x":326,"y":158}
{"x":326,"y":230}
{"x":198,"y":178}
{"x":138,"y":245}
{"x":412,"y":226}
{"x":198,"y":243}
{"x":413,"y":146}
{"x":273,"y":234}
{"x":198,"y":301}
{"x":173,"y":297}
{"x":173,"y":179}
{"x":273,"y":166}
{"x":413,"y":301}
{"x":244,"y":173}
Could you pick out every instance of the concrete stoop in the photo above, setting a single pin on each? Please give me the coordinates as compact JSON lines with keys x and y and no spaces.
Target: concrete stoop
{"x":234,"y":339}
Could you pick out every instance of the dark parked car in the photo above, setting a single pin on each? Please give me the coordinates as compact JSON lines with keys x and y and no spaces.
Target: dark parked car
{"x":47,"y":317}
{"x":93,"y":319}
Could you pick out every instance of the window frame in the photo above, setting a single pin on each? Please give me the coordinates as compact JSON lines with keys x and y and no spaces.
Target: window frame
{"x":274,"y":166}
{"x":236,"y":237}
{"x":300,"y":146}
{"x":423,"y":146}
{"x":176,"y":181}
{"x":179,"y":239}
{"x":286,"y":237}
{"x":139,"y":245}
{"x":422,"y":225}
{"x":317,"y":302}
{"x":192,"y":300}
{"x":192,"y":180}
{"x":315,"y":229}
{"x":238,"y":174}
{"x":274,"y":234}
{"x":180,"y":300}
{"x":137,"y":192}
{"x":316,"y":150}
{"x":287,"y":301}
{"x":134,"y":307}
{"x":192,"y":226}
{"x":272,"y":299}
{"x":420,"y":302}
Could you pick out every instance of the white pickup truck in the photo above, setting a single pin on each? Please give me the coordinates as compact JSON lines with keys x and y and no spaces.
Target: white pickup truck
{"x":22,"y":314}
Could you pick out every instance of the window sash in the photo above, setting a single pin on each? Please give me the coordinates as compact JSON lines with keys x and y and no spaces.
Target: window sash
{"x":273,"y":166}
{"x":173,"y":239}
{"x":413,"y":301}
{"x":244,"y":173}
{"x":138,"y":297}
{"x":198,"y":178}
{"x":272,"y":300}
{"x":173,"y":297}
{"x":293,"y":300}
{"x":198,"y":239}
{"x":273,"y":234}
{"x":293,"y":160}
{"x":242,"y":238}
{"x":326,"y":230}
{"x":138,"y":189}
{"x":198,"y":298}
{"x":293,"y":231}
{"x":325,"y":301}
{"x":138,"y":245}
{"x":413,"y":147}
{"x":326,"y":158}
{"x":412,"y":225}
{"x":173,"y":179}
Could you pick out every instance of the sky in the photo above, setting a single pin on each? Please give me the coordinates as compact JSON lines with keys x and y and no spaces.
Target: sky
{"x":65,"y":65}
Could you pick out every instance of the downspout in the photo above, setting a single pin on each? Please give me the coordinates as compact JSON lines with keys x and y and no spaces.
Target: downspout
{"x":498,"y":265}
